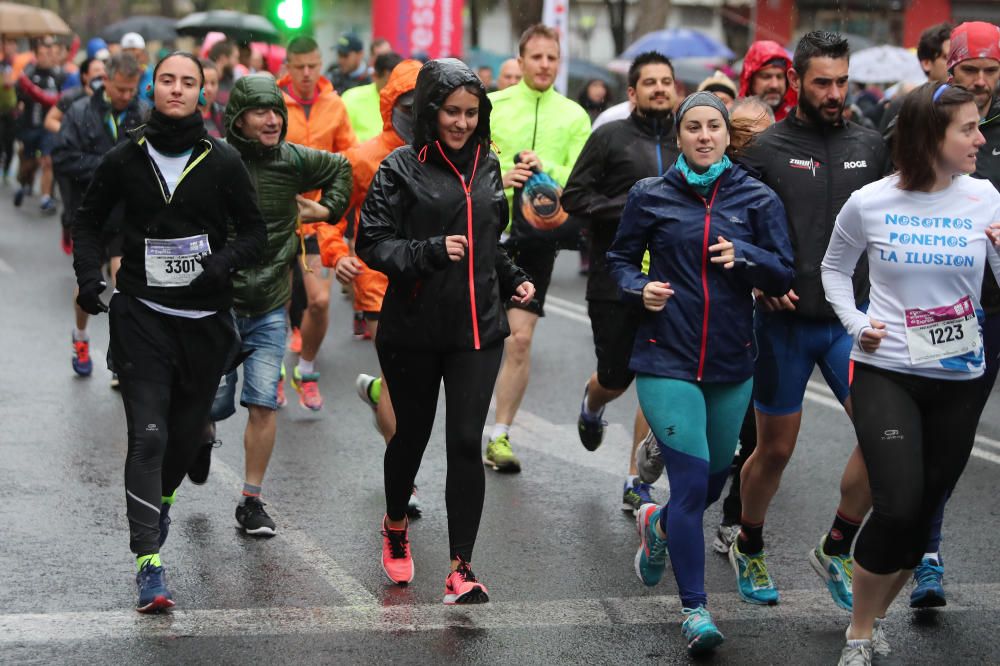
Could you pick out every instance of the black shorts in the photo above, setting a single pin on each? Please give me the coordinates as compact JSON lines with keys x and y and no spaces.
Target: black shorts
{"x":537,"y":262}
{"x":614,"y":325}
{"x":312,"y":244}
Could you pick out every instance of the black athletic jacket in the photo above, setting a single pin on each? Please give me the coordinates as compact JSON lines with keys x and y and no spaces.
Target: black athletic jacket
{"x":615,"y":157}
{"x":216,"y":193}
{"x":417,"y":198}
{"x":815,"y":170}
{"x":988,"y":168}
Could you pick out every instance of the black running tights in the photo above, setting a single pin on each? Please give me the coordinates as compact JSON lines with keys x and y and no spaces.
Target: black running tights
{"x":916,"y":435}
{"x":414,"y":380}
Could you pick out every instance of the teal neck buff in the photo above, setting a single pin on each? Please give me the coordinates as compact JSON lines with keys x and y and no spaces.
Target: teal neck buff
{"x":702,"y":182}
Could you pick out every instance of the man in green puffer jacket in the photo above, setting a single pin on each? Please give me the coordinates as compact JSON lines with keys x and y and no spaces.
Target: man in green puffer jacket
{"x":256,"y":121}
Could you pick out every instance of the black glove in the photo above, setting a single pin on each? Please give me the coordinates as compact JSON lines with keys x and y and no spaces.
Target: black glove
{"x":214,"y":274}
{"x":89,"y":298}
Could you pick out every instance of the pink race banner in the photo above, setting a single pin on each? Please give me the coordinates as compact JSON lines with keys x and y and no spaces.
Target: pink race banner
{"x":414,"y":27}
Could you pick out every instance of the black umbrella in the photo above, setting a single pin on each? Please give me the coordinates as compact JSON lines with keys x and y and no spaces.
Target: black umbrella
{"x":237,"y":26}
{"x":152,"y":29}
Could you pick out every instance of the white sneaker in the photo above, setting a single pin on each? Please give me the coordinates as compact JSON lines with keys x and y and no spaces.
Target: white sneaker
{"x":648,"y":462}
{"x":859,"y":654}
{"x":880,"y":643}
{"x":725,"y":535}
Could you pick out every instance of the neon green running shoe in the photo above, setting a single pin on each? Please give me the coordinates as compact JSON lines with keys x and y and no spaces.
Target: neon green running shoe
{"x":500,"y":457}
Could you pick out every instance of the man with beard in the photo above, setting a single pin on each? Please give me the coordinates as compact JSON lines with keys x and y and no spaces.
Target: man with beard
{"x":225,"y":54}
{"x":764,"y":75}
{"x":615,"y":158}
{"x":814,"y":160}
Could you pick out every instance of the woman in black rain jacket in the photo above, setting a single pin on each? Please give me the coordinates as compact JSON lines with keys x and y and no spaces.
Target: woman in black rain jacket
{"x":432,"y":222}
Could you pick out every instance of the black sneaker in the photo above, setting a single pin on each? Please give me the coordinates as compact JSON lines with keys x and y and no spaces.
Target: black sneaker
{"x":591,"y":430}
{"x":19,"y":196}
{"x":198,"y":473}
{"x":253,"y":519}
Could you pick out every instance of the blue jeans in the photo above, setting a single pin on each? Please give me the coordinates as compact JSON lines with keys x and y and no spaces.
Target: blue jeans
{"x":263,"y":336}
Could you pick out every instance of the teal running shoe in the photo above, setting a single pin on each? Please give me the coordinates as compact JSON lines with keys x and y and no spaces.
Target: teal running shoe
{"x":837,"y":571}
{"x":929,"y":589}
{"x":753,"y":581}
{"x":651,"y":558}
{"x":699,"y":631}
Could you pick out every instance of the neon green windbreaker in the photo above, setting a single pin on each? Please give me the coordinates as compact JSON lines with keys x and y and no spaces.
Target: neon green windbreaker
{"x":554,"y":126}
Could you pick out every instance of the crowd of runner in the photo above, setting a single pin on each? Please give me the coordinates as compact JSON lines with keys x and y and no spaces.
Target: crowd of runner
{"x":736,"y":239}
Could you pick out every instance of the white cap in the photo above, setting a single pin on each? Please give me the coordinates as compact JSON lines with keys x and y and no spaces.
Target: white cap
{"x":133,"y":40}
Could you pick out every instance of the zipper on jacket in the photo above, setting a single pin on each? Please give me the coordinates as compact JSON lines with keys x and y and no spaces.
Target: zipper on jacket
{"x":704,"y":279}
{"x":467,"y":190}
{"x":162,"y":182}
{"x":659,"y":149}
{"x":534,"y":131}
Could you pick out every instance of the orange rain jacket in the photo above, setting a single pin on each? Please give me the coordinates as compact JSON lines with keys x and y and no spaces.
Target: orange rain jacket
{"x":370,"y":285}
{"x":326,"y":128}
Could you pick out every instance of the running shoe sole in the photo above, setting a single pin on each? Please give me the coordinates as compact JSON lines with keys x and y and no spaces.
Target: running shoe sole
{"x":929,"y":600}
{"x":361,"y":384}
{"x":476,"y":595}
{"x":504,"y":468}
{"x":706,"y":642}
{"x":831,"y":585}
{"x":260,"y":531}
{"x":748,"y":599}
{"x":159,"y":603}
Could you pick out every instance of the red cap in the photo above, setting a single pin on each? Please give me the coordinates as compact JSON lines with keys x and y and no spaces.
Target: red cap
{"x":974,"y":39}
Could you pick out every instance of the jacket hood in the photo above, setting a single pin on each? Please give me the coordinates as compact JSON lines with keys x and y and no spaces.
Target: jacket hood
{"x":436,"y":80}
{"x":759,"y":54}
{"x":256,"y":91}
{"x":402,"y":80}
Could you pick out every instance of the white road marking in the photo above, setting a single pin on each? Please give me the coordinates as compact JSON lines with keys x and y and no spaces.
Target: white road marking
{"x":565,"y":312}
{"x":566,"y":304}
{"x":311,"y":552}
{"x":809,"y":604}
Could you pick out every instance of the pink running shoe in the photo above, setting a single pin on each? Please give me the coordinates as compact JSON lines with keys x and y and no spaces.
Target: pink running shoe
{"x":396,"y":559}
{"x":307,"y":386}
{"x":462,"y":587}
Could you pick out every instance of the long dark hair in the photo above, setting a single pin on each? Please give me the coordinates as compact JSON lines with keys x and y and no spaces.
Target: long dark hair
{"x":923,"y":118}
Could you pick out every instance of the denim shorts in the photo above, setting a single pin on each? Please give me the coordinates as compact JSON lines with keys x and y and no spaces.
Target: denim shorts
{"x":264,"y":336}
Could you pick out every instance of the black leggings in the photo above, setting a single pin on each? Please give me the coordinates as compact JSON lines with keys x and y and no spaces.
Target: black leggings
{"x":916,"y":435}
{"x":169,"y":369}
{"x":414,"y":380}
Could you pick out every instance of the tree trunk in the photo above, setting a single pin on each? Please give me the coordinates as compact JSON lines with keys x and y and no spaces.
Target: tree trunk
{"x":474,"y":23}
{"x":523,"y":15}
{"x":651,"y":15}
{"x":616,"y":14}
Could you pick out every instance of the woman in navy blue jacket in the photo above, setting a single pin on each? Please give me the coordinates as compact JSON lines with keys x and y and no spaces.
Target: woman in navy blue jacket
{"x":713,"y":233}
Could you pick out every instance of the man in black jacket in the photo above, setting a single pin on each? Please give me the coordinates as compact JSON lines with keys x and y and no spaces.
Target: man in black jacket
{"x":90,"y":128}
{"x":814,"y":160}
{"x":190,"y":219}
{"x":616,"y":157}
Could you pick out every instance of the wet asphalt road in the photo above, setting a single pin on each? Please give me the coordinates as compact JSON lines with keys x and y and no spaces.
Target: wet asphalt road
{"x":555,"y":549}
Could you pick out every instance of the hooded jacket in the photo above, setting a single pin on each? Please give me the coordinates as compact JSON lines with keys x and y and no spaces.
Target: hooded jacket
{"x":366,"y":158}
{"x":759,"y":54}
{"x":418,"y":197}
{"x":705,"y":332}
{"x":616,"y":157}
{"x":279,"y":173}
{"x":214,"y":196}
{"x":326,"y":127}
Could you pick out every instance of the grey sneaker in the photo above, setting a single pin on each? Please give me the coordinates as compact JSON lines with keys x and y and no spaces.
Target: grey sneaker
{"x":725,"y":535}
{"x":880,"y":644}
{"x":856,"y":655}
{"x":648,"y":462}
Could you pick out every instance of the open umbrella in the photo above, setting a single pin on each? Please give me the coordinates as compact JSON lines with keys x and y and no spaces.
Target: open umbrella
{"x":885,"y":64}
{"x":238,"y":26}
{"x":152,"y":28}
{"x":678,"y":43}
{"x":23,"y":21}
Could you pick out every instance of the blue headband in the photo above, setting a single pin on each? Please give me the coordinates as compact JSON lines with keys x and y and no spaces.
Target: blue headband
{"x":937,"y":93}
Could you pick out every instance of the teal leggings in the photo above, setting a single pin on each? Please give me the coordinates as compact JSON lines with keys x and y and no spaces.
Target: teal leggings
{"x":697,"y":426}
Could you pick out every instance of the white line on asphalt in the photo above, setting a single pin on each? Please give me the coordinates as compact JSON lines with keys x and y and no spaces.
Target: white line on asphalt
{"x":569,"y":314}
{"x":311,"y":552}
{"x":811,"y":604}
{"x":566,"y":304}
{"x":5,"y":267}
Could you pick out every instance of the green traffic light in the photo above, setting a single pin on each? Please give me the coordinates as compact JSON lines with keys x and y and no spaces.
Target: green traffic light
{"x":291,"y":13}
